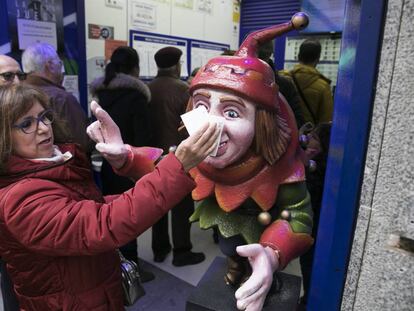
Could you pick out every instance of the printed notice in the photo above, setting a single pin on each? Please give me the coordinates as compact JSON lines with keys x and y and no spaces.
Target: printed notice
{"x":205,"y":6}
{"x":186,"y":4}
{"x":143,"y":16}
{"x":70,"y":83}
{"x":100,"y":32}
{"x":111,"y":46}
{"x":31,"y":31}
{"x":148,"y":44}
{"x":202,"y":52}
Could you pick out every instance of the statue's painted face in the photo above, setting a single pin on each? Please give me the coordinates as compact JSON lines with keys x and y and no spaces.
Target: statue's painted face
{"x":239,"y":125}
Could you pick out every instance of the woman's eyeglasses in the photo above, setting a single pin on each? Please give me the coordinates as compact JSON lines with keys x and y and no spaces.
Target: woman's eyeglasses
{"x":30,"y":124}
{"x":9,"y":76}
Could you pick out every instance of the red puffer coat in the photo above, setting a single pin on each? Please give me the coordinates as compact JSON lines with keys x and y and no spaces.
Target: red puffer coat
{"x":58,"y":235}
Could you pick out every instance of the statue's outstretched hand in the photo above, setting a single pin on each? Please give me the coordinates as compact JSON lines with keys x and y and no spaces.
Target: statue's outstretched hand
{"x":107,"y":136}
{"x":264,"y":261}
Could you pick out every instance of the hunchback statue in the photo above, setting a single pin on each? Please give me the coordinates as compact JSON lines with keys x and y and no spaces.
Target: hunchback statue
{"x":253,"y":191}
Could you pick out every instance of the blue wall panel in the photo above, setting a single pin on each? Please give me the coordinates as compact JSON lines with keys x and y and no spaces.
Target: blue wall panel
{"x":4,"y":26}
{"x":358,"y":67}
{"x":258,"y":14}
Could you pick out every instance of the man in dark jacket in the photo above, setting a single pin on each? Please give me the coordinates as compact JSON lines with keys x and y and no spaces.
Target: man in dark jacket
{"x":314,"y":88}
{"x":44,"y":67}
{"x":169,"y":99}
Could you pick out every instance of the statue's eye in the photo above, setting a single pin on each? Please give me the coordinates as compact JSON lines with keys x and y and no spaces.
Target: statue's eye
{"x":231,"y":114}
{"x":200,"y":104}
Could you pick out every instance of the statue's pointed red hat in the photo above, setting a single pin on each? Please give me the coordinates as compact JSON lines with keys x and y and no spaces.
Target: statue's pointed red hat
{"x":244,"y":73}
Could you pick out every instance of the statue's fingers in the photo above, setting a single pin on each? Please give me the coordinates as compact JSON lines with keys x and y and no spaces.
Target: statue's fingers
{"x":252,"y":285}
{"x":94,"y":132}
{"x":256,"y":305}
{"x":253,"y":299}
{"x":249,"y":250}
{"x":94,"y":105}
{"x":103,"y":117}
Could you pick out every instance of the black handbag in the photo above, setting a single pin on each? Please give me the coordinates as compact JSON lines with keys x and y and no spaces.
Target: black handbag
{"x":131,"y":281}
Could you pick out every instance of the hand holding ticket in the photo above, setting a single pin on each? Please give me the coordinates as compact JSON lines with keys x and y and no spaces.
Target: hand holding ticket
{"x":195,"y":119}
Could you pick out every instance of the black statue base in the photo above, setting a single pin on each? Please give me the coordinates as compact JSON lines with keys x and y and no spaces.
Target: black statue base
{"x":212,"y":294}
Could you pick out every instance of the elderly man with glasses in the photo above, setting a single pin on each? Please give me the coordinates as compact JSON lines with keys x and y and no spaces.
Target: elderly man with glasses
{"x":44,"y":69}
{"x":10,"y":72}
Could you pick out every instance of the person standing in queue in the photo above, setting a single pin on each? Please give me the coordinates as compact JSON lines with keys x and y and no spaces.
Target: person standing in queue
{"x":125,"y":97}
{"x":169,"y":100}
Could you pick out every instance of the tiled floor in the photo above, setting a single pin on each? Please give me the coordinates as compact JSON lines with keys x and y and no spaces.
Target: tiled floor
{"x":167,"y":283}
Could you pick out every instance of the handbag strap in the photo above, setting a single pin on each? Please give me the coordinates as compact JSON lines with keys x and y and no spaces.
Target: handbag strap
{"x":131,"y":262}
{"x":120,"y":255}
{"x":303,"y":98}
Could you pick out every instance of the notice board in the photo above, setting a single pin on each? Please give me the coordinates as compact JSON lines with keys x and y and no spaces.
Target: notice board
{"x":195,"y":52}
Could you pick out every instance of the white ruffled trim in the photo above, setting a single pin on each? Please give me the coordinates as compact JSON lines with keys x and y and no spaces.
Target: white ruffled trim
{"x":57,"y":156}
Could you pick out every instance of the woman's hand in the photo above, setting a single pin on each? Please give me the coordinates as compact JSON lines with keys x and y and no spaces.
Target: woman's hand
{"x":106,"y":134}
{"x":197,"y":147}
{"x":264,"y":261}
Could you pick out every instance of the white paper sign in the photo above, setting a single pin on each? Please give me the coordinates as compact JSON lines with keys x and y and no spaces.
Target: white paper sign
{"x":148,"y":44}
{"x":70,"y":83}
{"x":30,"y":32}
{"x":195,"y":119}
{"x":143,"y":16}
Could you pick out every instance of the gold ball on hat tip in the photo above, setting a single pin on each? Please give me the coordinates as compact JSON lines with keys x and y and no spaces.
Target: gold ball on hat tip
{"x":300,"y":20}
{"x":312,"y":166}
{"x":264,"y":218}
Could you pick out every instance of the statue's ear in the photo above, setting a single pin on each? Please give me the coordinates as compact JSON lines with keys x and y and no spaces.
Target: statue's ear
{"x":189,"y":105}
{"x":272,"y":135}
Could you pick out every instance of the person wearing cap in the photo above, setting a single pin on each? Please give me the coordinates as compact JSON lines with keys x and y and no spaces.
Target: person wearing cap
{"x":10,"y":73}
{"x":168,"y":102}
{"x":254,"y":189}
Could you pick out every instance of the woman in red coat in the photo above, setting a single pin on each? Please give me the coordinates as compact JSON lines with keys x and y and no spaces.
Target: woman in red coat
{"x":58,"y":234}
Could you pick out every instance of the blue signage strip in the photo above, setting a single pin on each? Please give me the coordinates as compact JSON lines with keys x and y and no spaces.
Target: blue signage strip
{"x":159,"y":40}
{"x":208,"y":46}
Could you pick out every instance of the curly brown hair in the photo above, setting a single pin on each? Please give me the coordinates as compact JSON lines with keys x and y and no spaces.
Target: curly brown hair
{"x":15,"y":101}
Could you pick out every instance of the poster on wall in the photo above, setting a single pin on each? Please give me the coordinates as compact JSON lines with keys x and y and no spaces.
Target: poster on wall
{"x":205,"y":6}
{"x":100,"y":32}
{"x":70,"y":83}
{"x":32,"y":21}
{"x":111,"y":46}
{"x":117,"y":4}
{"x":185,"y":4}
{"x":202,"y":51}
{"x":147,"y":44}
{"x":143,"y":16}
